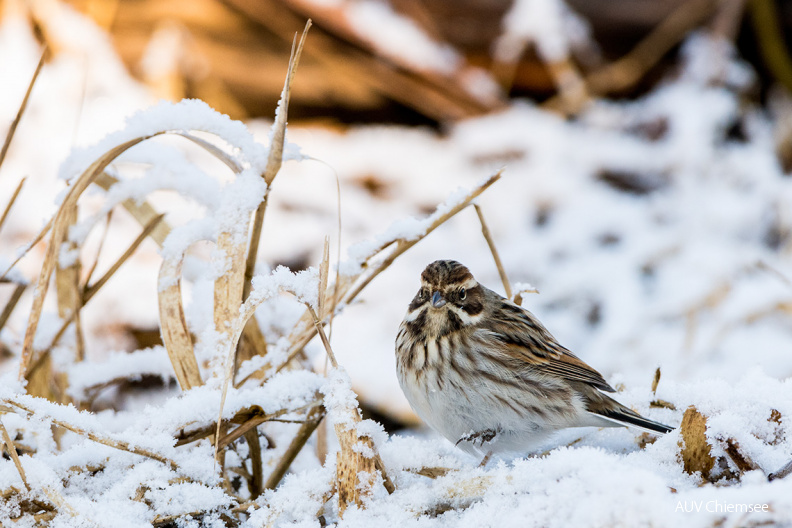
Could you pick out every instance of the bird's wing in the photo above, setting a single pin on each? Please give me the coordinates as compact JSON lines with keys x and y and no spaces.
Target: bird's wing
{"x":522,"y":337}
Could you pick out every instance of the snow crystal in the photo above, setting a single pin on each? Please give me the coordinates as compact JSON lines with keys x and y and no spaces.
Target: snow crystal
{"x":303,"y":284}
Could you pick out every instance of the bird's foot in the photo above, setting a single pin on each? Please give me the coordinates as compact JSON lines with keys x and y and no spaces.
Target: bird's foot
{"x":482,"y":437}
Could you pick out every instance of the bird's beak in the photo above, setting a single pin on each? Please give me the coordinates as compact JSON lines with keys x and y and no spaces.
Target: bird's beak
{"x":437,"y":300}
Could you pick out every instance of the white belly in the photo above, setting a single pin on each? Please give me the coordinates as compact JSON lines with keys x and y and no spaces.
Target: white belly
{"x":456,"y":412}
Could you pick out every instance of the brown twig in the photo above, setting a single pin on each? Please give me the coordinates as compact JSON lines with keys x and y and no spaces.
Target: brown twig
{"x":241,"y":417}
{"x":91,"y":290}
{"x":275,"y":158}
{"x":485,"y":231}
{"x":346,"y":436}
{"x":351,"y":289}
{"x":100,"y":247}
{"x":402,"y":245}
{"x":60,"y":224}
{"x":110,"y":442}
{"x":11,"y":304}
{"x":36,"y":240}
{"x":256,"y":478}
{"x":18,"y":118}
{"x":625,"y":72}
{"x":781,"y":473}
{"x":11,"y":201}
{"x":741,"y":459}
{"x":305,"y":431}
{"x":11,"y":448}
{"x":320,"y":330}
{"x":764,"y":15}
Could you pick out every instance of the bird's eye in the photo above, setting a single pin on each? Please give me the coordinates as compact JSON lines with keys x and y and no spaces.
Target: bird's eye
{"x":462,"y":294}
{"x":423,"y":294}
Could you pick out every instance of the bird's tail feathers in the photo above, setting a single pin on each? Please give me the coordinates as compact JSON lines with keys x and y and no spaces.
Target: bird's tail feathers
{"x":614,"y":413}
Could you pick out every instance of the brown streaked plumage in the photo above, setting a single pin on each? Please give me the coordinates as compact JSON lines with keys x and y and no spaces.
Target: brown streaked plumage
{"x":488,"y":376}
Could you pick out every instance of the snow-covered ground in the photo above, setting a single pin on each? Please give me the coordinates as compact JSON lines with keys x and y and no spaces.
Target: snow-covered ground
{"x":655,"y":234}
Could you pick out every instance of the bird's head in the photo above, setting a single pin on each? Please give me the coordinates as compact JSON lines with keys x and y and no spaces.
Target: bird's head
{"x":449,"y":298}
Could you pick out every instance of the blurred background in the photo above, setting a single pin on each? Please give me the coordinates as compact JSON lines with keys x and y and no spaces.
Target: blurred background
{"x":413,"y":61}
{"x":648,"y":148}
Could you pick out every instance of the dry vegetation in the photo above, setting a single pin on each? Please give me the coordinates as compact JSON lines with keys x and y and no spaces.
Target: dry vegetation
{"x":242,"y":338}
{"x":241,"y":335}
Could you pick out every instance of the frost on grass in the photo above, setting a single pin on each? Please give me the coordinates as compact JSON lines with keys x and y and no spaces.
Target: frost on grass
{"x":185,"y":116}
{"x":410,"y":228}
{"x":657,"y":230}
{"x":303,"y":284}
{"x":119,"y":365}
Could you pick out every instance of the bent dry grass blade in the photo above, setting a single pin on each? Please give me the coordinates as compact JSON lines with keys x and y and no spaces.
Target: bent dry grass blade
{"x":232,"y":288}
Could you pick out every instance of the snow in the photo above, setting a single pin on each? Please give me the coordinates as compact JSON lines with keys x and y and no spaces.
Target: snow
{"x":398,"y":37}
{"x":656,"y":237}
{"x":191,"y":115}
{"x":550,"y":25}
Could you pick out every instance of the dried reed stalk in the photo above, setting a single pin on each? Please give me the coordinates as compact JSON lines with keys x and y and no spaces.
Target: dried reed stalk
{"x":244,"y":416}
{"x":18,"y":118}
{"x":232,"y":242}
{"x":491,"y":244}
{"x":99,"y":439}
{"x":69,"y":292}
{"x":60,"y":223}
{"x":357,"y":453}
{"x":175,"y":334}
{"x":99,"y":249}
{"x":401,"y":245}
{"x":350,"y":463}
{"x":87,"y":292}
{"x":256,"y":479}
{"x":312,"y":421}
{"x":28,"y":247}
{"x":350,"y":287}
{"x":59,"y":231}
{"x":212,"y":149}
{"x":90,"y":290}
{"x":232,"y":245}
{"x":144,"y":213}
{"x":253,"y":341}
{"x":12,"y":201}
{"x":19,"y":289}
{"x":12,"y":452}
{"x":696,"y":451}
{"x":628,"y":70}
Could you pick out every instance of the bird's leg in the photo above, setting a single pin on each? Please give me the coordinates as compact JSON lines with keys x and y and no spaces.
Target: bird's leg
{"x":486,"y":459}
{"x":482,"y":437}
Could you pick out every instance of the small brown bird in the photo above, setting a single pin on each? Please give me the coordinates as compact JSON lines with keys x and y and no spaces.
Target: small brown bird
{"x":485,"y":373}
